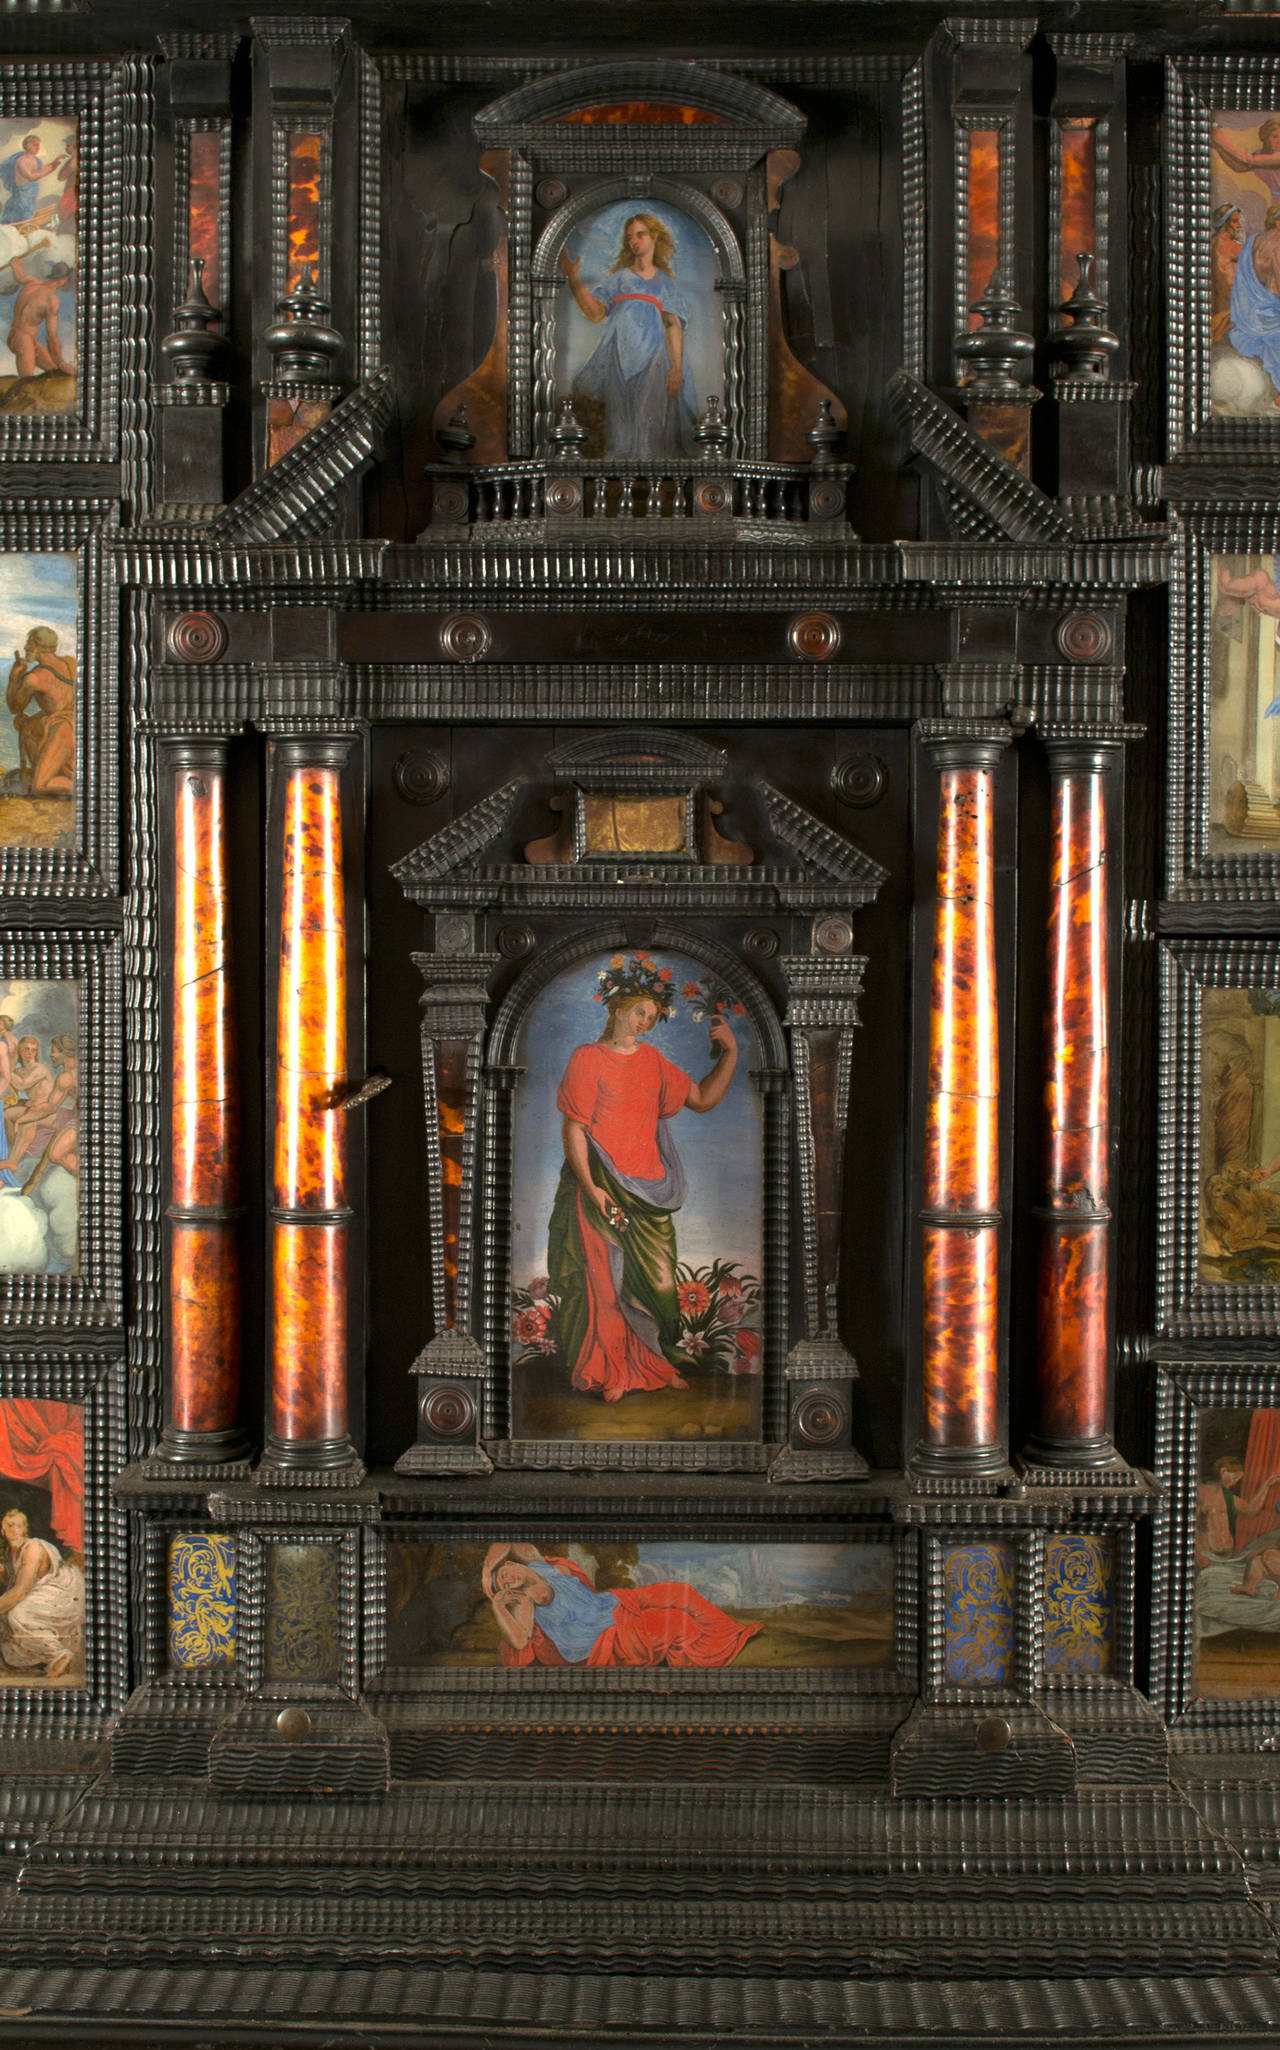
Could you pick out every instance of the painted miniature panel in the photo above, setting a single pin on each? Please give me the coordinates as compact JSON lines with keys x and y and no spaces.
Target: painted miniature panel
{"x":39,"y":609}
{"x":1079,"y":1604}
{"x":201,"y":1600}
{"x":42,"y":1599}
{"x":1244,"y":264}
{"x":39,"y":1127}
{"x":1236,"y":1653}
{"x":639,"y":332}
{"x":39,"y":254}
{"x":638,"y":1218}
{"x":1244,"y":718}
{"x":978,"y":1597}
{"x":1239,"y":1194}
{"x":302,"y":1597}
{"x":615,"y":1604}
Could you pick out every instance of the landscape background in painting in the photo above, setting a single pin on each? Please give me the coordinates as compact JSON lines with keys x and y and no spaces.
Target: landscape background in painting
{"x":39,"y":226}
{"x":1237,"y":1633}
{"x":1244,"y":716}
{"x":35,"y":591}
{"x":695,"y":267}
{"x":816,"y":1604}
{"x":42,"y":1476}
{"x":721,"y":1221}
{"x":39,"y":1164}
{"x":1239,"y":1216}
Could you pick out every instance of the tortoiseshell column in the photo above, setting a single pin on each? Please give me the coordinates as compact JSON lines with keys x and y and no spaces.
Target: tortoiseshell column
{"x":203,"y":1253}
{"x":310,"y":1218}
{"x":960,"y":1425}
{"x":1074,"y":1378}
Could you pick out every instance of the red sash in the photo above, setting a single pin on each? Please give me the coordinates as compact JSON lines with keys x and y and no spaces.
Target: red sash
{"x":648,"y":298}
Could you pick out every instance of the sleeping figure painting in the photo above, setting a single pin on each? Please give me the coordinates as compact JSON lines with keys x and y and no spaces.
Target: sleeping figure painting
{"x":612,"y":1603}
{"x":636,"y":1305}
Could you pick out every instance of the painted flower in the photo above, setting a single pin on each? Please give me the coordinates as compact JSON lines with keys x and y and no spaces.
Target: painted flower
{"x":693,"y":1298}
{"x":618,"y":961}
{"x":739,"y":1010}
{"x":730,"y":1288}
{"x":664,"y":975}
{"x":748,"y":1347}
{"x":732,"y":1312}
{"x":531,"y":1324}
{"x":689,"y":989}
{"x":541,"y":1288}
{"x":694,"y":1343}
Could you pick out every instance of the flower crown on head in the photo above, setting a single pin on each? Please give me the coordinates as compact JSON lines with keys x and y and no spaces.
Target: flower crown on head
{"x":636,"y":978}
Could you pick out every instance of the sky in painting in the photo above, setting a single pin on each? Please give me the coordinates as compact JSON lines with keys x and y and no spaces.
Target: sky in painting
{"x":722,"y":1150}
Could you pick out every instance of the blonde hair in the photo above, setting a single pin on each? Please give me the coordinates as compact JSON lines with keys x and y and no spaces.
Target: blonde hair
{"x":664,"y":246}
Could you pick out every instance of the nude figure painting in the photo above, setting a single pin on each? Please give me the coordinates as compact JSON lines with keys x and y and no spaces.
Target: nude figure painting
{"x":39,"y":250}
{"x":39,"y":608}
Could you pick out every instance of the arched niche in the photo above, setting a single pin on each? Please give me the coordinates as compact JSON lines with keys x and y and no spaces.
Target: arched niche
{"x":725,"y":1239}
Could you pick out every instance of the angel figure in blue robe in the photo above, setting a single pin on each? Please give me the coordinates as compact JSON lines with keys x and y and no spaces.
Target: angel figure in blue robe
{"x":639,"y":369}
{"x":1255,"y":298}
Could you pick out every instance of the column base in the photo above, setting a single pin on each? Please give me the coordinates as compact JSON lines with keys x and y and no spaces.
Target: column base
{"x":199,"y":1455}
{"x":309,"y":1463}
{"x":1075,"y":1462}
{"x":959,"y":1469}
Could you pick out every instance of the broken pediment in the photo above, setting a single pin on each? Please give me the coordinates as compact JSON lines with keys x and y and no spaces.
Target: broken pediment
{"x":640,"y":811}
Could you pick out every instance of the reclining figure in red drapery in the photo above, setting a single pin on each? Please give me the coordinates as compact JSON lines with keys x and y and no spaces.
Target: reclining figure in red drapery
{"x":549,"y":1614}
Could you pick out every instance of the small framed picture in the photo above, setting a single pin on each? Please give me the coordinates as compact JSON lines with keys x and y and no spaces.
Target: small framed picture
{"x":1218,"y":1266}
{"x":64,"y":250}
{"x":62,"y":1597}
{"x":1216,"y":1616}
{"x":60,"y":1131}
{"x":1223,"y":173}
{"x":58,"y":770}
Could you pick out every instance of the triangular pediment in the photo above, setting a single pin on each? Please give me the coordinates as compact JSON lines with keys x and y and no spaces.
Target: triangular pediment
{"x":497,"y":853}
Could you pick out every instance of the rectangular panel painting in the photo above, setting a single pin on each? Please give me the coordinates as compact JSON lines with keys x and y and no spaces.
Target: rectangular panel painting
{"x":607,"y":1604}
{"x":39,"y":248}
{"x":1240,"y":1137}
{"x":38,"y":615}
{"x":1244,"y":715}
{"x":1237,"y":1587}
{"x":640,"y":334}
{"x":638,"y":1220}
{"x":41,"y":1542}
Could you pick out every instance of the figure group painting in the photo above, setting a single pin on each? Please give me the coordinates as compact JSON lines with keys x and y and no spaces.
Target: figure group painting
{"x":39,"y":1127}
{"x":638,"y":1215}
{"x":41,"y":1542}
{"x":626,"y":1604}
{"x":39,"y":246}
{"x":1237,"y":1587}
{"x":639,"y":336}
{"x":1240,"y":1138}
{"x":38,"y":618}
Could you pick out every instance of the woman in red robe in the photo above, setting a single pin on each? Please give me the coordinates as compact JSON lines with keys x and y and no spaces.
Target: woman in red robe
{"x":549,"y":1614}
{"x":611,"y":1246}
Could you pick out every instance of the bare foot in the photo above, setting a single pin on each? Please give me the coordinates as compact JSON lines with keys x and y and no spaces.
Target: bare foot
{"x":677,"y":1382}
{"x":58,"y":1665}
{"x":1240,"y":1588}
